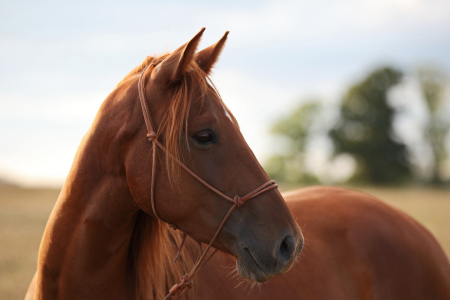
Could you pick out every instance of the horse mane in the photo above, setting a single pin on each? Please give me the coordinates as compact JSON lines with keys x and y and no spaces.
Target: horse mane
{"x":153,"y":249}
{"x":154,"y":245}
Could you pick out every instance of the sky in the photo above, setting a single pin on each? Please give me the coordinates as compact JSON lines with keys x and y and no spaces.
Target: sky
{"x":60,"y":59}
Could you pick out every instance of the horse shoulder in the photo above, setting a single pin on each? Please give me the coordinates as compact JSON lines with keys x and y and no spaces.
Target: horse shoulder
{"x":359,"y":238}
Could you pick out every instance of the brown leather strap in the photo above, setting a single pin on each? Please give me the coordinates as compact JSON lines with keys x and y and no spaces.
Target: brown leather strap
{"x":186,"y":281}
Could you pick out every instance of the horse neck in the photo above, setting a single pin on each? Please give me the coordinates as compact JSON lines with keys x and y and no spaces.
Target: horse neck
{"x":87,"y":239}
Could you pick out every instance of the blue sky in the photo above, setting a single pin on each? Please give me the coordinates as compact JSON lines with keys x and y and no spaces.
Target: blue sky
{"x":60,"y":59}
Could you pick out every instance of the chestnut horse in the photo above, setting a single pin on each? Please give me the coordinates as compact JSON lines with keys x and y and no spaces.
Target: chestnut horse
{"x":104,"y":238}
{"x":104,"y":242}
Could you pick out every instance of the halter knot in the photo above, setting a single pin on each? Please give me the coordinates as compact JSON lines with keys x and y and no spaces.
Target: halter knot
{"x":185,"y":283}
{"x":238,"y":201}
{"x":151,"y":136}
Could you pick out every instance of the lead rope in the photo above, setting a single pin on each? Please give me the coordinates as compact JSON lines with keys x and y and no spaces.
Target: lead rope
{"x":186,"y":281}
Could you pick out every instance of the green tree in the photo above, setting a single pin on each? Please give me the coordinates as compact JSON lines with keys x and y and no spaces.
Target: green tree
{"x":432,"y":83}
{"x":365,"y":131}
{"x":297,"y":128}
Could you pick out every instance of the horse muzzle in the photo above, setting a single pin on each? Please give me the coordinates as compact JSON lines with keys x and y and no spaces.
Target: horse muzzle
{"x":260,"y":263}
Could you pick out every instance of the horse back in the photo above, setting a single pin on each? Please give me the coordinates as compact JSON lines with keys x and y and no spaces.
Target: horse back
{"x":373,"y":250}
{"x":357,"y":247}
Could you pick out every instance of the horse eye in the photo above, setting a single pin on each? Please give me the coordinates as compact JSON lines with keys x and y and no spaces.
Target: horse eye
{"x":204,"y":137}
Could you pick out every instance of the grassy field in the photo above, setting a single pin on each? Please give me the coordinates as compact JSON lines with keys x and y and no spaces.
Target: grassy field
{"x":24,"y":213}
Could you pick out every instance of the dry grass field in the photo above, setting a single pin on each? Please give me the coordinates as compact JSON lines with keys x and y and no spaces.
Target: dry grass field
{"x":23,"y":215}
{"x":24,"y":212}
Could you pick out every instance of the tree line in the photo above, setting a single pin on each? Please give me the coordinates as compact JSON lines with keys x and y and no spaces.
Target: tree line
{"x":363,"y":132}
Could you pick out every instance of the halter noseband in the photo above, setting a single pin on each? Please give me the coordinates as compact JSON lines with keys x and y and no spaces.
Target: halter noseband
{"x":186,"y":281}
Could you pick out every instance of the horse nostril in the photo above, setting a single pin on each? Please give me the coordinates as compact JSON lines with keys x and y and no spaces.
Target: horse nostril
{"x":286,"y":250}
{"x":283,"y":246}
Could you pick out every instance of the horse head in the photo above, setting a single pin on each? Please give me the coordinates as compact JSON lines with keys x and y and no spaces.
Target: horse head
{"x":196,"y":128}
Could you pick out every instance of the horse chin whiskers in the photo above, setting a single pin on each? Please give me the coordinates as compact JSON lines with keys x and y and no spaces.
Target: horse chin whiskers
{"x":245,"y":282}
{"x":249,"y":272}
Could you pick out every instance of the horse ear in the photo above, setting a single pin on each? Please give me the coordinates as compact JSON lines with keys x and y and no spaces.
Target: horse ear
{"x":177,"y":63}
{"x":208,"y":57}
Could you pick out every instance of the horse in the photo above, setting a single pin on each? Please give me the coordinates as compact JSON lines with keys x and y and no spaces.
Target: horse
{"x":108,"y":235}
{"x":105,"y":240}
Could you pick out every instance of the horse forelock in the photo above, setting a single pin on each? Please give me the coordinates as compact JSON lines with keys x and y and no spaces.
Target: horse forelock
{"x":154,"y":245}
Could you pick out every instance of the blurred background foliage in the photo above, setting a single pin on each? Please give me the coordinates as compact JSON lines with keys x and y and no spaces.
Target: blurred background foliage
{"x":363,"y":133}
